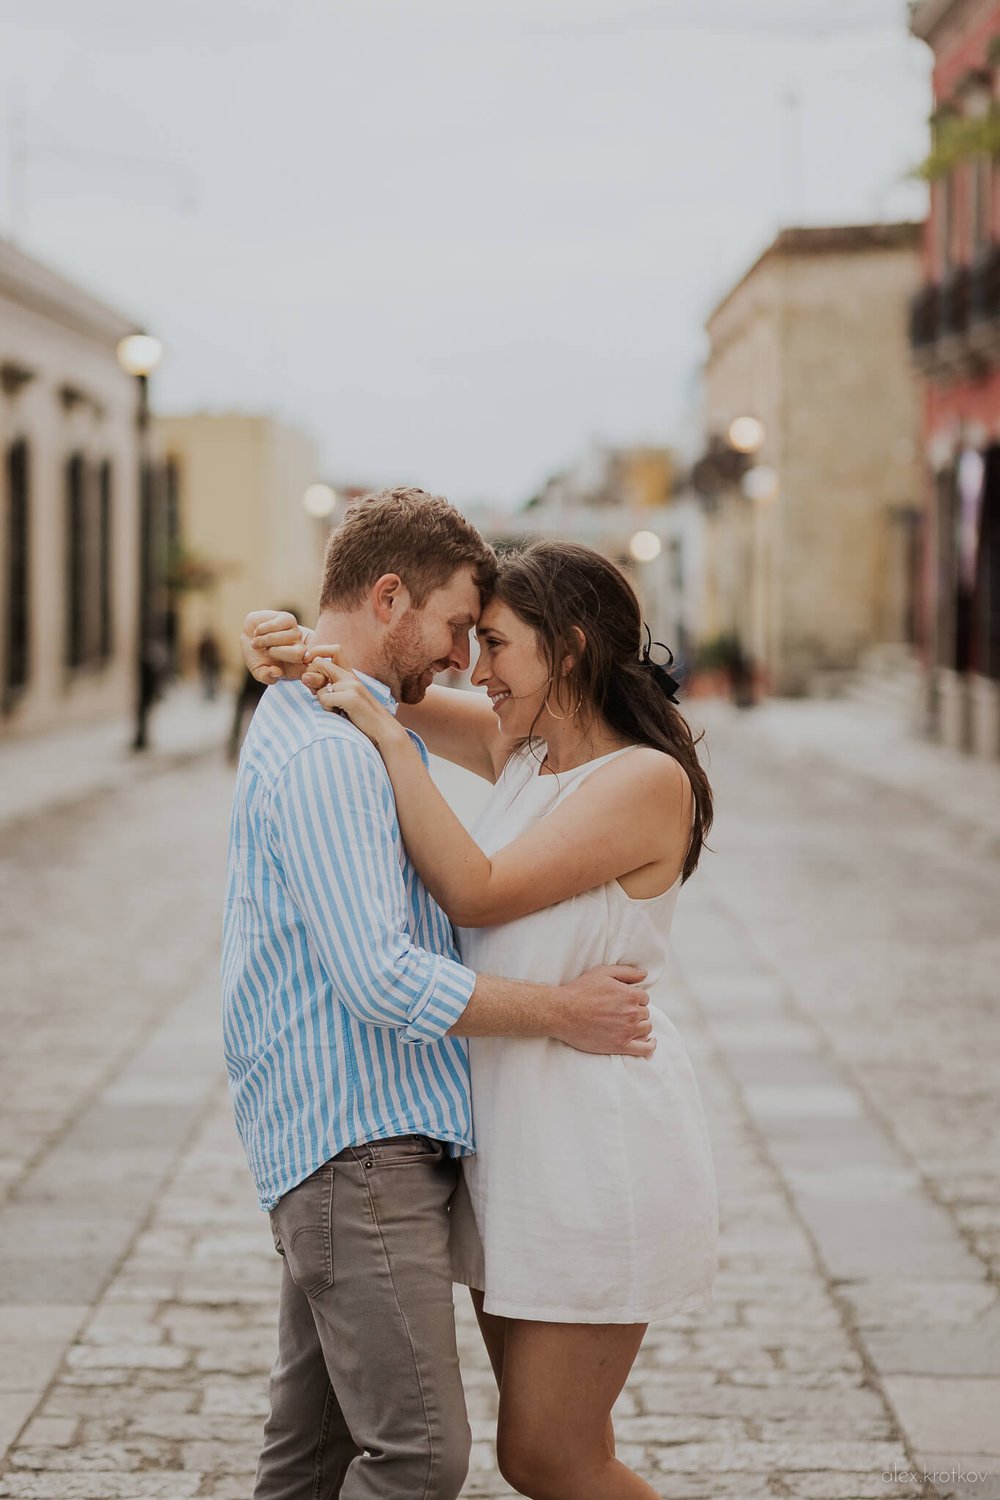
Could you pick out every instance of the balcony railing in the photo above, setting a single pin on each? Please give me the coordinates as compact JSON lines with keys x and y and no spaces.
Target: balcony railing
{"x":953,"y":308}
{"x":924,"y":317}
{"x":955,"y":324}
{"x":984,"y":301}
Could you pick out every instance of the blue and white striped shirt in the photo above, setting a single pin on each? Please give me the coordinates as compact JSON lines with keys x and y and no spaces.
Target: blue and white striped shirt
{"x":340,"y":973}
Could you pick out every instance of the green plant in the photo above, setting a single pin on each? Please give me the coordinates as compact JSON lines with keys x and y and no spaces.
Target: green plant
{"x":189,"y":573}
{"x":958,"y":139}
{"x":718,"y":653}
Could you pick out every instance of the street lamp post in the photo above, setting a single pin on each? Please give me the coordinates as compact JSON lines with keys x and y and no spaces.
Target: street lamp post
{"x":139,"y":354}
{"x":646,"y":548}
{"x":729,"y":466}
{"x":745,"y":437}
{"x":759,"y":486}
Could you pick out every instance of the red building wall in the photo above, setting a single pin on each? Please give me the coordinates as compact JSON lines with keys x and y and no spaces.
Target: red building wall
{"x":964,"y":403}
{"x":958,"y":347}
{"x":965,"y":48}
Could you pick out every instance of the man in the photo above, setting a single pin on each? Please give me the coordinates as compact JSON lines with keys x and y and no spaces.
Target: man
{"x":345,"y":1013}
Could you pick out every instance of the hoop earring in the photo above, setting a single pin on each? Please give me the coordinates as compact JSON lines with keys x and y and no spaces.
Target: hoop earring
{"x":571,"y":715}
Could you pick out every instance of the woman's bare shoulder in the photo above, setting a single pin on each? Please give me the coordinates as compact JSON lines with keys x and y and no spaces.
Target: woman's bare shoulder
{"x":645,"y":770}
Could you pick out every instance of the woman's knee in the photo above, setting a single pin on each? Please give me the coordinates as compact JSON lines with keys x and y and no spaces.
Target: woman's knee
{"x":533,"y":1466}
{"x":517,"y":1464}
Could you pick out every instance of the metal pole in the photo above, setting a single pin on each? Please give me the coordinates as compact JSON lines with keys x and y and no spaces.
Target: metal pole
{"x":144,"y":689}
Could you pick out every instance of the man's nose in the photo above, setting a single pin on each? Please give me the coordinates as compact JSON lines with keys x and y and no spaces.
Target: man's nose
{"x":459,"y":657}
{"x":479,"y":672}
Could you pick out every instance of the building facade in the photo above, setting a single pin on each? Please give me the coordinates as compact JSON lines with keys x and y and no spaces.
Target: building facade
{"x":246,"y":540}
{"x":69,"y":529}
{"x":810,"y":547}
{"x":955,"y":337}
{"x":604,"y":500}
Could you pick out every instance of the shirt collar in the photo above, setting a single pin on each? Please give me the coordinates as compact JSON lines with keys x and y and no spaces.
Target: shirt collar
{"x":378,"y":690}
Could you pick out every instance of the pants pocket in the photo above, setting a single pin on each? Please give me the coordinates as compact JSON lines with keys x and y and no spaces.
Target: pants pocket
{"x":405,"y":1150}
{"x":302,"y":1224}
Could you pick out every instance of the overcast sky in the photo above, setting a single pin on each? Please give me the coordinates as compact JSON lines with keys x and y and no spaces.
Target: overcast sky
{"x":457,"y":240}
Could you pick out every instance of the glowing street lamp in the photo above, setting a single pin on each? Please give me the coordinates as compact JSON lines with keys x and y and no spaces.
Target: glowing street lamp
{"x":645,"y":546}
{"x":139,"y":354}
{"x":746,"y":435}
{"x":320,"y":500}
{"x":760,"y":484}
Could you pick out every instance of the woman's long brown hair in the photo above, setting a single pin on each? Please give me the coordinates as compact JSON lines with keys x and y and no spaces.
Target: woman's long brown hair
{"x":560,"y":588}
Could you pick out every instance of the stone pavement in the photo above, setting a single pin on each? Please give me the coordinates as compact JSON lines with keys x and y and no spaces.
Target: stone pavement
{"x":878,"y":746}
{"x":835,"y":982}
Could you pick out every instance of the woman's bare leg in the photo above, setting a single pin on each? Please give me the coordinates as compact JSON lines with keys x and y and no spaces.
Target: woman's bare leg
{"x":494,"y":1332}
{"x":559,"y":1383}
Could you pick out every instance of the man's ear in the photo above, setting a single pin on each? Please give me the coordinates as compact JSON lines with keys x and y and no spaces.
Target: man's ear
{"x":389,"y":597}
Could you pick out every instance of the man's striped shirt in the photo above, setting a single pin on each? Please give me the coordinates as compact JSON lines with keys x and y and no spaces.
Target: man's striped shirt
{"x":340,"y":972}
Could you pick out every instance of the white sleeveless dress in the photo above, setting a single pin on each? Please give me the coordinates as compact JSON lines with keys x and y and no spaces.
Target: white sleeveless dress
{"x":592,"y":1194}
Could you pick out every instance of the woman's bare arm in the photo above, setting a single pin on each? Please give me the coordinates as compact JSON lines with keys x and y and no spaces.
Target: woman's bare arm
{"x":460,"y":726}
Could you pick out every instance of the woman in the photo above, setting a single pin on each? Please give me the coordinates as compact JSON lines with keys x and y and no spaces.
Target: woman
{"x":590,"y":1207}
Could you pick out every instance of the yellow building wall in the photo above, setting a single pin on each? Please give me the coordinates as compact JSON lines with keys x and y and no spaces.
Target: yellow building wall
{"x":647,"y":476}
{"x":241,"y":480}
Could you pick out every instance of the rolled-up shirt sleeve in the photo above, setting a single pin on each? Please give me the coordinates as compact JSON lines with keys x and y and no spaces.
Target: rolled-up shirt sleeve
{"x":332,"y":819}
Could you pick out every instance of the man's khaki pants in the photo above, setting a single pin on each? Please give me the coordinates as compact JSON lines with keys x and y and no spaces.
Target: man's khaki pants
{"x":366,"y":1394}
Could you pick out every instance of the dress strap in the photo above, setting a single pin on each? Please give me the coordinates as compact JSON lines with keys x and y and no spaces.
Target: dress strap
{"x":580,"y":773}
{"x":564,"y":783}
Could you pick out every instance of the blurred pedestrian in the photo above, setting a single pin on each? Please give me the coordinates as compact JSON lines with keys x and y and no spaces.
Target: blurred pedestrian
{"x":741,"y":675}
{"x":153,"y":666}
{"x":209,"y":665}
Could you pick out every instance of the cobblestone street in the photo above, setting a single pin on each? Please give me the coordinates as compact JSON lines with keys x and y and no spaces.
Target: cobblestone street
{"x":837,"y":989}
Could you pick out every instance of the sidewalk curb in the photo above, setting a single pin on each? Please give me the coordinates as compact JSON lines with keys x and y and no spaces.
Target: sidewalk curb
{"x":144,"y":766}
{"x":60,"y":771}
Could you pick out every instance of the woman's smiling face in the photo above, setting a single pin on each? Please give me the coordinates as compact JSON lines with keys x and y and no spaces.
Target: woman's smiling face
{"x":512,"y":669}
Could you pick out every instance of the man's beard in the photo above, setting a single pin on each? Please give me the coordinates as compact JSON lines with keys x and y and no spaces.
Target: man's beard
{"x":403,"y":663}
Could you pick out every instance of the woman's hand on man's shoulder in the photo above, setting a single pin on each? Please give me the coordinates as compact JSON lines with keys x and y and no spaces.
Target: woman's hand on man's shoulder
{"x":274,"y":644}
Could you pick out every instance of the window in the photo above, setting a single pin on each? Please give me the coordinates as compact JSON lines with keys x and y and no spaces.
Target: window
{"x":981,"y":175}
{"x":105,"y":564}
{"x":18,"y":583}
{"x":986,"y":610}
{"x":76,"y":563}
{"x":89,"y":616}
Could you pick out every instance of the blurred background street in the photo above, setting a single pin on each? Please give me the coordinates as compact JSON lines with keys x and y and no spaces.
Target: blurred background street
{"x":713,"y":288}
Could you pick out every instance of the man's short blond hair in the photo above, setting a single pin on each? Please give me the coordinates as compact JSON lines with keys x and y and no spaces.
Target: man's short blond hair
{"x":421,"y":537}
